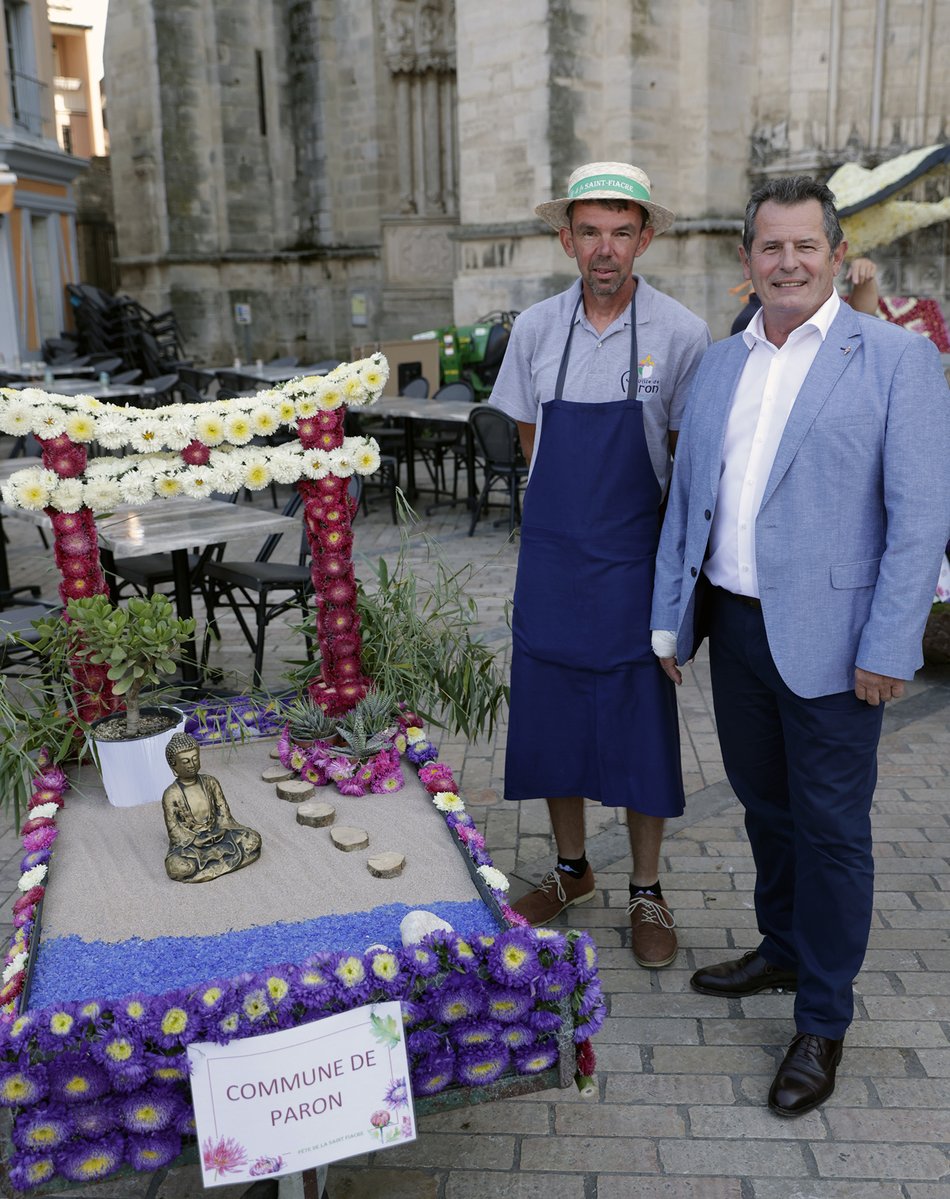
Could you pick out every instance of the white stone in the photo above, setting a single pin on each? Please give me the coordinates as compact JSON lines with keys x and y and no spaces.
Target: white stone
{"x":418,"y":924}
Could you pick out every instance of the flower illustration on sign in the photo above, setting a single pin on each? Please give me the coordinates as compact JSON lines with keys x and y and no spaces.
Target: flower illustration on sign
{"x":379,"y":1120}
{"x":265,"y":1165}
{"x":226,"y":1156}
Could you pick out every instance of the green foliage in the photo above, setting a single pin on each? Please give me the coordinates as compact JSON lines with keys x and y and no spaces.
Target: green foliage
{"x":309,"y":722}
{"x":419,"y":643}
{"x":138,"y":642}
{"x":360,"y":739}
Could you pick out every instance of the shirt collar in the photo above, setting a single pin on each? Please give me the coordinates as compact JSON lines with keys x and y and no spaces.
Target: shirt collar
{"x":644,"y":309}
{"x":820,"y":321}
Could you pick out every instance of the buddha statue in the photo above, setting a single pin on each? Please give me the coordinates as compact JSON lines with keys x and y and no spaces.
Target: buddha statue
{"x":204,"y":839}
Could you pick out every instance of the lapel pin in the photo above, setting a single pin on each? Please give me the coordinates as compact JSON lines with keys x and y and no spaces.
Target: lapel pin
{"x":845,"y":349}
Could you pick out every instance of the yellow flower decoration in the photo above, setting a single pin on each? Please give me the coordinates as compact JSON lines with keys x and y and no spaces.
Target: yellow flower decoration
{"x":119,"y":1050}
{"x":60,"y":1023}
{"x":210,"y":997}
{"x":385,"y":966}
{"x":277,"y":987}
{"x":350,"y":971}
{"x":174,"y":1022}
{"x":80,"y":427}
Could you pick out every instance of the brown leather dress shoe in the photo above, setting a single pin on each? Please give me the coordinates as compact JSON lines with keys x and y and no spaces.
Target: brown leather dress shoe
{"x":807,"y":1075}
{"x":747,"y":975}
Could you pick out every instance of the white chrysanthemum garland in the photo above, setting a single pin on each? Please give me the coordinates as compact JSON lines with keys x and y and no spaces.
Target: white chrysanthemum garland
{"x":181,"y":448}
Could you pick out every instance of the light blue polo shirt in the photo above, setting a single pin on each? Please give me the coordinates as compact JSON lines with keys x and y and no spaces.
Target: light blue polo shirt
{"x":670,"y":342}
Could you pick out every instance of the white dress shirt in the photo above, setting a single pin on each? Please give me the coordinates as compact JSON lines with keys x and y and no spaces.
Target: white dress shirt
{"x":765,"y":394}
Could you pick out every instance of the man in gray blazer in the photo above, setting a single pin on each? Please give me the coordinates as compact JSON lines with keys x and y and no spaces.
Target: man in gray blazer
{"x":809,"y":508}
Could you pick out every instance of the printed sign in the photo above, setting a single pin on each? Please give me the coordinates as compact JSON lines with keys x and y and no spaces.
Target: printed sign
{"x":291,"y":1100}
{"x":242,"y":314}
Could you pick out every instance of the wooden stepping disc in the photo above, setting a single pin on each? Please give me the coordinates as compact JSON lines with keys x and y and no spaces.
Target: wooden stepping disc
{"x":315,"y":813}
{"x":275,"y":752}
{"x":295,"y":790}
{"x":277,"y":774}
{"x":349,"y":839}
{"x":386,"y":865}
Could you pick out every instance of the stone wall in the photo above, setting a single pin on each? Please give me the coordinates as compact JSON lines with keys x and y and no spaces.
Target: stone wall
{"x":304,"y":154}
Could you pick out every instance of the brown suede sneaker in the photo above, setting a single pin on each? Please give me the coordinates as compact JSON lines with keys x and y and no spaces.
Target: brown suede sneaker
{"x":554,"y":893}
{"x":652,"y":937}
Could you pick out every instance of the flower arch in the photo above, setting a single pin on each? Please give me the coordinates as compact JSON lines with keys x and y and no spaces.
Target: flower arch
{"x":196,"y":450}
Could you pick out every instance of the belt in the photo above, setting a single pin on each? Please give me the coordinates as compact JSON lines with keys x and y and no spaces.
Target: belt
{"x":749,"y":601}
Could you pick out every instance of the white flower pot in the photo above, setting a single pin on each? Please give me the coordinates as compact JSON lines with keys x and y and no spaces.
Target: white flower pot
{"x":135,"y":771}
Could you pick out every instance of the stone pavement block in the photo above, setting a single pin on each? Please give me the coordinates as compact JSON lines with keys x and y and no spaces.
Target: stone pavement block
{"x":875,"y":983}
{"x":823,"y":1189}
{"x":875,"y":1126}
{"x":776,"y":1031}
{"x":698,"y":1156}
{"x":501,"y":1116}
{"x":712,"y":1059}
{"x":610,"y":1187}
{"x":861,"y":1160}
{"x":904,"y":1034}
{"x":345,"y":1183}
{"x":618,"y":1120}
{"x":904,"y":1007}
{"x":927,"y":1190}
{"x":627,"y":1058}
{"x":933,"y":982}
{"x":933,"y":960}
{"x":724,"y":1123}
{"x":485,"y":1152}
{"x":668,"y":1088}
{"x":468,"y":1185}
{"x":849,"y":1092}
{"x":626,"y":1155}
{"x":862,"y":1061}
{"x":687,"y":1004}
{"x":629,"y":1031}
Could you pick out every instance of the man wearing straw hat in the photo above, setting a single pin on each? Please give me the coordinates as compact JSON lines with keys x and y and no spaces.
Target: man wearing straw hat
{"x":808,"y":514}
{"x":596,"y":378}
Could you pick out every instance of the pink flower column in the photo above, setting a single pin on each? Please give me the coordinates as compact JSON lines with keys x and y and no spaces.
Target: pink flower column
{"x":76,"y":551}
{"x":328,"y":512}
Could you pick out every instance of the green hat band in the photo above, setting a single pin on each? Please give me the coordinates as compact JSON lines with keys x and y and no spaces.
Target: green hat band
{"x":636,"y":191}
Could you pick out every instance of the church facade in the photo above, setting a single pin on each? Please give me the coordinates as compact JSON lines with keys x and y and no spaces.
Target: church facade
{"x":359,"y":172}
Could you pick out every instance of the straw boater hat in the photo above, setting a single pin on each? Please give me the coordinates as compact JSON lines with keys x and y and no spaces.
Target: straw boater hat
{"x":606,"y":181}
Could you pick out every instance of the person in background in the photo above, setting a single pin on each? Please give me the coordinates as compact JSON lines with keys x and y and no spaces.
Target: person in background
{"x":596,"y":378}
{"x":809,"y":508}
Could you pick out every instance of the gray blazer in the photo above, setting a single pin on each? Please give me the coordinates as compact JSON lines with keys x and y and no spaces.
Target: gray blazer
{"x":855,"y":514}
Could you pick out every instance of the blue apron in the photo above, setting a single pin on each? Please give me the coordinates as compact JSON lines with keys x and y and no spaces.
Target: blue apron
{"x":591,"y":711}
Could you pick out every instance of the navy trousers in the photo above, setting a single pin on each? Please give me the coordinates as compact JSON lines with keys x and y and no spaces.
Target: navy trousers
{"x":804,"y":770}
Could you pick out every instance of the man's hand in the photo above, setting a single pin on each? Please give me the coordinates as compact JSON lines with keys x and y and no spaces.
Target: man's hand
{"x":671,"y":670}
{"x":874,"y":688}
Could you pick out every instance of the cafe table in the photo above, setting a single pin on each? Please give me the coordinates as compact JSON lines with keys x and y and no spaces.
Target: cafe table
{"x":173,"y":526}
{"x":272,"y":374}
{"x":412,"y":412}
{"x":114,"y":392}
{"x":34,"y":372}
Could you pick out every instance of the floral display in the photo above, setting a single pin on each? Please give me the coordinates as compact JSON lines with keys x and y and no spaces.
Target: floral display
{"x":103,"y":1082}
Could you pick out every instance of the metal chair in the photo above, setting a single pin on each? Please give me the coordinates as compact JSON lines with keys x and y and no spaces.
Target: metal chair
{"x":235,"y":381}
{"x":499,"y":450}
{"x":417,"y":388}
{"x":447,"y":441}
{"x":250,"y":586}
{"x":16,"y":627}
{"x":125,"y":377}
{"x":198,"y":380}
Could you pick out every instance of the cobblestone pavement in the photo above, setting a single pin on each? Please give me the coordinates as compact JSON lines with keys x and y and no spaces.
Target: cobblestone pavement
{"x":680,"y":1108}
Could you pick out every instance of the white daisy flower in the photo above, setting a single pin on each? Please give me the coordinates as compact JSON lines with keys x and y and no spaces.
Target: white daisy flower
{"x":366,"y":457}
{"x":68,"y":495}
{"x":494,"y":878}
{"x":17,"y":419}
{"x":340,"y":463}
{"x":209,"y":428}
{"x":238,"y":429}
{"x":33,"y":877}
{"x":263,"y":421}
{"x":102,"y":495}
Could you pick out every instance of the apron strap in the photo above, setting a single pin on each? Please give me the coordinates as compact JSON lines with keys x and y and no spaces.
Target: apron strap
{"x":632,"y":379}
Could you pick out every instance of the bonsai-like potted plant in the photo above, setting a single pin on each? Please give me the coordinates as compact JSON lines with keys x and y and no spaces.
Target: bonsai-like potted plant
{"x":137,"y":643}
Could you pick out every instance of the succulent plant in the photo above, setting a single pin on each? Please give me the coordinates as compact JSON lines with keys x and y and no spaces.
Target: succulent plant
{"x":368,"y":728}
{"x":309,"y":722}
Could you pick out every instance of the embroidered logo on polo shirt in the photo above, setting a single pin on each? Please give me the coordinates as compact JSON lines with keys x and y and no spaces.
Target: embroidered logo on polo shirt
{"x":647,"y":382}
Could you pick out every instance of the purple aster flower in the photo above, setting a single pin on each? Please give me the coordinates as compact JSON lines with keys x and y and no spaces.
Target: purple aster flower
{"x":423,"y":1041}
{"x":351,"y":786}
{"x":312,"y":984}
{"x":94,"y":1120}
{"x":513,"y":958}
{"x":421,"y":752}
{"x":264,"y":1166}
{"x":478,"y":1067}
{"x":585,"y":957}
{"x":459,"y":1000}
{"x":185,"y":1124}
{"x":40,"y":1129}
{"x":557,"y":981}
{"x":434,"y":1073}
{"x":53,"y":777}
{"x":22,"y":1086}
{"x":518,"y":1036}
{"x":476,"y":1033}
{"x":481,"y":857}
{"x":119,"y":1048}
{"x":339,"y":768}
{"x":148,"y":1153}
{"x":471,"y":836}
{"x":29,"y":1170}
{"x":592,"y":997}
{"x":153,"y":1109}
{"x":509,"y":1005}
{"x":57,"y":1029}
{"x":130,"y":1078}
{"x":535,"y":1058}
{"x":41,"y":838}
{"x":542,"y":1020}
{"x":436,"y":776}
{"x":74,"y":1078}
{"x":88,"y":1160}
{"x":421,"y":960}
{"x":36,"y":857}
{"x":397,"y":1094}
{"x":387,"y":784}
{"x":167,"y":1069}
